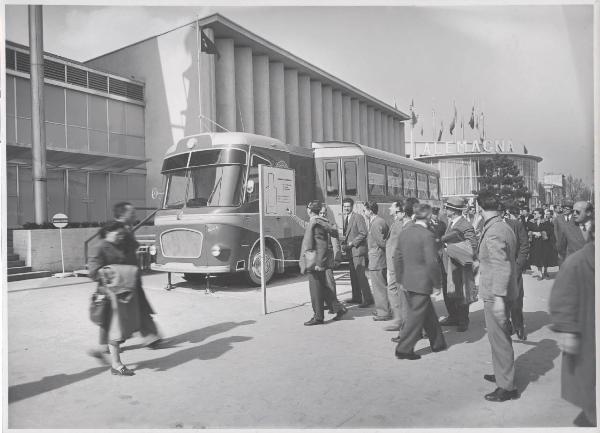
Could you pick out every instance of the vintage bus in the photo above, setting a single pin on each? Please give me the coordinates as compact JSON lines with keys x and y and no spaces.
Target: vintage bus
{"x":208,"y":222}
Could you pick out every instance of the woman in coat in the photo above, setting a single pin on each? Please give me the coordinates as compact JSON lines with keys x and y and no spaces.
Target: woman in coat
{"x":541,"y":235}
{"x":572,"y":311}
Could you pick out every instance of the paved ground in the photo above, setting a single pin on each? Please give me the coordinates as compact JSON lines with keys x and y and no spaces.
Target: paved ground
{"x":230,"y":366}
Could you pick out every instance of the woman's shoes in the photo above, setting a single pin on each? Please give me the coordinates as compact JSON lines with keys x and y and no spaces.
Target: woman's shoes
{"x":121,"y":371}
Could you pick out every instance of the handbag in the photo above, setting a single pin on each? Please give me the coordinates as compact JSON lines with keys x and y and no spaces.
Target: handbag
{"x":100,"y":309}
{"x":308,"y":261}
{"x":462,"y":252}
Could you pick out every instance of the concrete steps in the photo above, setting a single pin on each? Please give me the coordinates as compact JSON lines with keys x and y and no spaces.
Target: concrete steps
{"x":16,"y":268}
{"x":28,"y":275}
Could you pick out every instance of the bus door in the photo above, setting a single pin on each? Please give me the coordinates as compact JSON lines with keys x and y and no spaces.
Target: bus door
{"x":332,"y":188}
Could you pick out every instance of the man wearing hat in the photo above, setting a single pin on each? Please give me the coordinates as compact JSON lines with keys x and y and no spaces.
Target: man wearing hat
{"x":560,"y":221}
{"x":459,"y":286}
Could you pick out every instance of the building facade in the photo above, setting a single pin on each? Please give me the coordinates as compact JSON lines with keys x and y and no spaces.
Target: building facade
{"x":459,"y":165}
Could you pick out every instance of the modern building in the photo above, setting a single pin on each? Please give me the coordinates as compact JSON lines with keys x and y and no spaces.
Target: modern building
{"x":459,"y":164}
{"x":107,"y":134}
{"x":554,"y":187}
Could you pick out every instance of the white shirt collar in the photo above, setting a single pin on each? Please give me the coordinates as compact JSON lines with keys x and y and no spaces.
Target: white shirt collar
{"x":421,"y":223}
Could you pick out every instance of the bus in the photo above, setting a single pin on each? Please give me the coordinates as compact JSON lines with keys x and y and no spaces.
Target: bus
{"x":208,"y":222}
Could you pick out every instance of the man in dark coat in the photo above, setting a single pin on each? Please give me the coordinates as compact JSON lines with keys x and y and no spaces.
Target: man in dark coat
{"x":564,"y":215}
{"x":460,"y":278}
{"x":419,"y":273}
{"x":516,"y":309}
{"x":354,"y":242}
{"x":376,"y":240}
{"x":572,"y":304}
{"x":498,"y":288}
{"x":574,"y":234}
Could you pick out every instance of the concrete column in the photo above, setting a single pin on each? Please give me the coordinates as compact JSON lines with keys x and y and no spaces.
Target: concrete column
{"x":395,"y":147}
{"x":327,"y":113}
{"x":262,"y":97}
{"x":304,"y":114}
{"x":277,"y":90}
{"x":364,"y":123}
{"x":392,"y":134}
{"x":401,"y":142}
{"x":316,"y":110}
{"x":225,"y":84}
{"x":291,"y":107}
{"x":207,"y":93}
{"x":347,"y":117}
{"x":377,"y":129}
{"x":371,"y":126}
{"x":355,"y":119}
{"x":244,"y":91}
{"x":338,"y":116}
{"x":384,"y":132}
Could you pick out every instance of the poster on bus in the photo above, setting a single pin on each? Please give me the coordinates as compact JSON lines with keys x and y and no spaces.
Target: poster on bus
{"x":279,"y":191}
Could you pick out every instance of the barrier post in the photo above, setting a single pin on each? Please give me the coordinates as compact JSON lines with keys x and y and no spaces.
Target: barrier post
{"x":261,"y":198}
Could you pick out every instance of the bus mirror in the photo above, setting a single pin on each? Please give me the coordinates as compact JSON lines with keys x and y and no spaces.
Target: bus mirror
{"x":156,"y":193}
{"x":250,"y":186}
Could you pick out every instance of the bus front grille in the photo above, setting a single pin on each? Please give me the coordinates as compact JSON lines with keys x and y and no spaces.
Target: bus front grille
{"x":181,"y":243}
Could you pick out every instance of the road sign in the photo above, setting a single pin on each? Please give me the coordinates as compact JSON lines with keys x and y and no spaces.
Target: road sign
{"x":60,"y":220}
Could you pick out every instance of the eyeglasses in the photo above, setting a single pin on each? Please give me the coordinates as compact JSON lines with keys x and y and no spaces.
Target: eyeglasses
{"x":577,"y":212}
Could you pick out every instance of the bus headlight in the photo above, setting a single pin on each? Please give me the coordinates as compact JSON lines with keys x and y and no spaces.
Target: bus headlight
{"x":152,"y":250}
{"x":216,"y":250}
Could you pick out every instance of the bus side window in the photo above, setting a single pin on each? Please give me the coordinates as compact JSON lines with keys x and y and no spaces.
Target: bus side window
{"x":253,"y":176}
{"x":350,"y":181}
{"x":331,"y":179}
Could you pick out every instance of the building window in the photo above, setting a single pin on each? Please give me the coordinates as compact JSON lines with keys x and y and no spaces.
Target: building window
{"x":350,"y":182}
{"x":376,"y":179}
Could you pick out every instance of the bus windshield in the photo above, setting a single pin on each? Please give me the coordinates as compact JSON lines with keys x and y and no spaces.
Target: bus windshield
{"x":208,"y":186}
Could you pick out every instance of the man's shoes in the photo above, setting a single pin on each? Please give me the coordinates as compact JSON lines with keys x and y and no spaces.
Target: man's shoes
{"x":365,"y":305}
{"x":339,"y":314}
{"x":500,"y":395}
{"x":409,"y":356}
{"x":448,"y":321}
{"x":331,"y":311}
{"x":521,"y":335}
{"x":490,"y":378}
{"x":313,"y":321}
{"x":121,"y":371}
{"x":439,"y":349}
{"x":462,"y":328}
{"x":392,"y":328}
{"x":351,"y":301}
{"x":381,"y":318}
{"x":395,"y":339}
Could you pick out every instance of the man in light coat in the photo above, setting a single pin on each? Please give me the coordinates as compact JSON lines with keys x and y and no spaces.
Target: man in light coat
{"x":378,"y":233}
{"x":498,"y":288}
{"x":574,"y":234}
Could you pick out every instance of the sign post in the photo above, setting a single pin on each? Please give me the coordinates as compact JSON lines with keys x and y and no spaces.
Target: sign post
{"x":277,"y":194}
{"x":60,"y":221}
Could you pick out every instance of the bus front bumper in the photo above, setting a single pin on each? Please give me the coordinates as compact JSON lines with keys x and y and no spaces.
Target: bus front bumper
{"x":189,"y":268}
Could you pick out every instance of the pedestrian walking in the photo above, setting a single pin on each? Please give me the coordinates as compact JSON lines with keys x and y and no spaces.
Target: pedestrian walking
{"x":316,"y":239}
{"x":459,"y":285}
{"x":525,"y":215}
{"x":378,"y":232}
{"x":572,"y":302}
{"x":498,"y":287}
{"x":552,"y":251}
{"x":541,"y":235}
{"x":574,"y":234}
{"x":516,"y":309}
{"x":419,"y":273}
{"x":354,"y":243}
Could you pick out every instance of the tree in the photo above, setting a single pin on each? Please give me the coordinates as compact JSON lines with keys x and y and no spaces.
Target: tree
{"x":576,"y":189}
{"x":500,"y":175}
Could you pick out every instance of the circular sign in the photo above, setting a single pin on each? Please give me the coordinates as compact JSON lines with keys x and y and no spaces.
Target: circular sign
{"x":60,"y":220}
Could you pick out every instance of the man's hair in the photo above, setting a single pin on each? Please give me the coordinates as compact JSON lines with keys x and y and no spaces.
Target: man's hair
{"x":435,"y":210}
{"x":399,"y":205}
{"x":315,"y":206}
{"x":514,"y":210}
{"x":488,"y":201}
{"x":421,"y":210}
{"x":539,"y":210}
{"x":120,"y":208}
{"x":372,"y":206}
{"x":348,"y":200}
{"x":409,"y":205}
{"x":525,"y":207}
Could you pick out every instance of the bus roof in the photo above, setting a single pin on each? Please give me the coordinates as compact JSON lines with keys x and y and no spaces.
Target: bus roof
{"x":350,"y":149}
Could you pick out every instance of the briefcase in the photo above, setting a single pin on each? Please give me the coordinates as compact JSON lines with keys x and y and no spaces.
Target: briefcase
{"x":308,"y":261}
{"x":462,"y":252}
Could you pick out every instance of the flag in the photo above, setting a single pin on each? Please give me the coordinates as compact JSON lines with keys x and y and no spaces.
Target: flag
{"x":453,"y":122}
{"x":525,"y":151}
{"x":207,"y":46}
{"x":395,"y":106}
{"x":477,"y":122}
{"x":441,"y":131}
{"x":421,"y":130}
{"x":413,"y":116}
{"x":472,"y":120}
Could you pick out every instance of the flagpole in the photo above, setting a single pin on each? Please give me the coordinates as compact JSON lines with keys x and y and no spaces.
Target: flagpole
{"x":196,"y":24}
{"x":462,"y":126}
{"x":413,"y":148}
{"x":433,"y":126}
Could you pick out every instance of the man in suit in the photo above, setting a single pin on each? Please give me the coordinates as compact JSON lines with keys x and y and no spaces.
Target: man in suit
{"x":354,"y":242}
{"x":437,"y":226}
{"x":376,"y":241}
{"x":498,"y":288}
{"x":574,"y":234}
{"x":563,"y":216}
{"x":516,"y":310}
{"x":525,"y":216}
{"x":419,"y":273}
{"x":460,"y":278}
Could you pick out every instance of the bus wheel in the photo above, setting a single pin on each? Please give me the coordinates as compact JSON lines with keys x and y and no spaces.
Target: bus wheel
{"x":253,"y":273}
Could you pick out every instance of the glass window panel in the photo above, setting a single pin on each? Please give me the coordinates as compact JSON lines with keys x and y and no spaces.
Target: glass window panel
{"x":25,"y":196}
{"x":422,"y":186}
{"x":56,"y":192}
{"x":98,"y":141}
{"x":11,"y":130}
{"x":331,"y":179}
{"x":116,"y":116}
{"x":24,"y":131}
{"x":10,"y":95}
{"x":410,"y":183}
{"x":433,"y":188}
{"x":97,"y":113}
{"x":77,"y":196}
{"x":76,"y":108}
{"x":11,"y":180}
{"x":350,"y":181}
{"x":77,"y":138}
{"x":23,"y":97}
{"x":394,"y":181}
{"x":98,"y":207}
{"x":117,"y":144}
{"x":55,"y":135}
{"x":118,"y":187}
{"x":134,"y":146}
{"x":136,"y":187}
{"x":54,"y":104}
{"x":376,"y":178}
{"x":134,"y":115}
{"x":12,"y":212}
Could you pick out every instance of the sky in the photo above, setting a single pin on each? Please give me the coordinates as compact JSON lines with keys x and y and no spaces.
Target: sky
{"x":529,"y":69}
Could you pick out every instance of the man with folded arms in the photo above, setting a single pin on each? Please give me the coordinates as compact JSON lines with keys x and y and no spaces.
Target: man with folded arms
{"x":498,"y":288}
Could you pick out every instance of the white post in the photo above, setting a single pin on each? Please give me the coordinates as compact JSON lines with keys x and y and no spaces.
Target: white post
{"x":62,"y":256}
{"x":413,"y":147}
{"x":263,"y":288}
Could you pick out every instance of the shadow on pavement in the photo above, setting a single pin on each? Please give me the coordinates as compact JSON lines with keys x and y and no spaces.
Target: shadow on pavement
{"x":535,"y":363}
{"x":49,"y":383}
{"x":535,"y":321}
